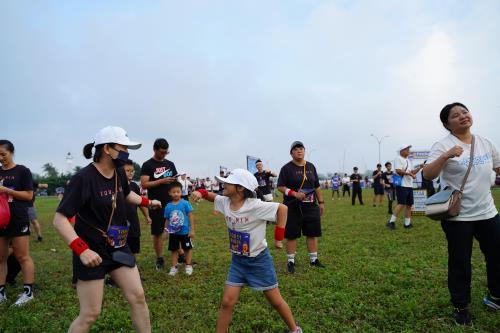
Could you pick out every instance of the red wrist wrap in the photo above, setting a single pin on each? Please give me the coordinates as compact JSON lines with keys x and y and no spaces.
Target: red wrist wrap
{"x":78,"y":246}
{"x":289,"y":192}
{"x":144,"y":202}
{"x":279,"y":233}
{"x":204,"y":193}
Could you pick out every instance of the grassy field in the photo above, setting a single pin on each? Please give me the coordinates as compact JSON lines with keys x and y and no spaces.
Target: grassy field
{"x":376,"y":280}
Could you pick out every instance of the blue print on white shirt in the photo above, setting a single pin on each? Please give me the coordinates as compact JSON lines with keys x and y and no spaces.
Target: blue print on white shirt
{"x":478,"y":160}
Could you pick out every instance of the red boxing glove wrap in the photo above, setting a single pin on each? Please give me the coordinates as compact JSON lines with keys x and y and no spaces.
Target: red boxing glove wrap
{"x":279,"y":233}
{"x":203,"y":192}
{"x":144,"y":202}
{"x":78,"y":246}
{"x":289,"y":192}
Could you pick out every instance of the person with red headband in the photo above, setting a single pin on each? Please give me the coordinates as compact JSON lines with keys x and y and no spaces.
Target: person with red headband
{"x":251,"y":263}
{"x":98,"y":195}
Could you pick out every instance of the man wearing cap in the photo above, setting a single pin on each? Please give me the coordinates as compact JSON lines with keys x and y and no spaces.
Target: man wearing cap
{"x":156,"y":175}
{"x":299,"y":182}
{"x":264,"y":180}
{"x":404,"y":191}
{"x":186,"y":185}
{"x":356,"y":186}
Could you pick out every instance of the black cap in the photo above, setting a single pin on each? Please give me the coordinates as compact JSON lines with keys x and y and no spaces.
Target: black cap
{"x":296,"y":144}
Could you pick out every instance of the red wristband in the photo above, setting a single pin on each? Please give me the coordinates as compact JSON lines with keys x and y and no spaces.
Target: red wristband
{"x":279,"y":233}
{"x":78,"y":246}
{"x":144,"y":202}
{"x":204,"y":193}
{"x":289,"y":192}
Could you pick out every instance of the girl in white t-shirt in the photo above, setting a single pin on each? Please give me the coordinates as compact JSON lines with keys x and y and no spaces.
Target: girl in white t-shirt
{"x":449,"y":158}
{"x":251,"y":263}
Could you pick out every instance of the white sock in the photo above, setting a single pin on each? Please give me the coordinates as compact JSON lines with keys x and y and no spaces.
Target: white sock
{"x":313,"y":256}
{"x":393,"y":219}
{"x":407,"y":221}
{"x":291,"y":257}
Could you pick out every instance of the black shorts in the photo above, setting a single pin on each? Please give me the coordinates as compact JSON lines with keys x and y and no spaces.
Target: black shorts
{"x":404,"y":195}
{"x":17,"y":227}
{"x":81,"y":272}
{"x":303,"y":219}
{"x":378,"y":189}
{"x":134,"y":243}
{"x":158,"y":221}
{"x":176,"y":241}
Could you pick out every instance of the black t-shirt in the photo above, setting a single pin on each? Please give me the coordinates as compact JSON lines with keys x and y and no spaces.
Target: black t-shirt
{"x":158,"y":170}
{"x":356,"y":176}
{"x":89,"y":197}
{"x":132,"y":217}
{"x":263,"y":178}
{"x":18,"y":178}
{"x":387,"y":177}
{"x":291,"y":176}
{"x":377,"y":180}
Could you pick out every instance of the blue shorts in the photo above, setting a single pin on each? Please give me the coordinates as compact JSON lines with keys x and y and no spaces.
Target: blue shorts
{"x":404,"y":195}
{"x":256,"y":272}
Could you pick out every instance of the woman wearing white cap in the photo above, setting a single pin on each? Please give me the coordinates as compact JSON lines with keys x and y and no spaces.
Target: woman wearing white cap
{"x":478,"y":218}
{"x":251,"y":263}
{"x":97,"y":195}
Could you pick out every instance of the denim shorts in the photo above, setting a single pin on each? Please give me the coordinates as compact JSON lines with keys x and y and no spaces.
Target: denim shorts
{"x":256,"y":272}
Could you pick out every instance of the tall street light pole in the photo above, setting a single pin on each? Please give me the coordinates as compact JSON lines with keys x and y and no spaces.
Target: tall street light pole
{"x":379,"y":142}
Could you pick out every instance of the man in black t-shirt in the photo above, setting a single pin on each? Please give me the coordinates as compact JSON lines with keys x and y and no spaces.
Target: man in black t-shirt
{"x":156,"y":175}
{"x":378,"y":186}
{"x":264,"y":181}
{"x":356,"y":186}
{"x":390,"y":190}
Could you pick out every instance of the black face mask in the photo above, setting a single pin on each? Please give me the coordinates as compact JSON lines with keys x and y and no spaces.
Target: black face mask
{"x":121,"y":159}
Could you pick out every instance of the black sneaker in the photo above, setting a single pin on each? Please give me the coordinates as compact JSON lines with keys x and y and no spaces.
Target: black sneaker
{"x":39,"y":238}
{"x":317,"y":263}
{"x":110,"y":283}
{"x":182,"y":259}
{"x":409,"y":226}
{"x":160,"y":263}
{"x":490,"y":302}
{"x":462,"y":317}
{"x":391,"y":225}
{"x":291,"y":267}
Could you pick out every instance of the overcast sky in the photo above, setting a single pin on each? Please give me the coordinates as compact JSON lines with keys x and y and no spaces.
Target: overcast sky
{"x":224,"y":79}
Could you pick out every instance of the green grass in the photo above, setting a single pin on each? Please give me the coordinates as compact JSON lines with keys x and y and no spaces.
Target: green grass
{"x":375,"y":281}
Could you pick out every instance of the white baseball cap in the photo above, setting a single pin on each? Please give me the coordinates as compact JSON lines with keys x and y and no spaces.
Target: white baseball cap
{"x":114,"y":134}
{"x":403,"y":147}
{"x":240,"y":177}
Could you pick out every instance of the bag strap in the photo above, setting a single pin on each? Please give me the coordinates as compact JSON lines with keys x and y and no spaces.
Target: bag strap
{"x":471,"y":158}
{"x":304,"y":177}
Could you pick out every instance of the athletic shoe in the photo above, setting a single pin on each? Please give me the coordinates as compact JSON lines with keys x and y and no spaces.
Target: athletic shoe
{"x":173,"y":271}
{"x":110,"y":283}
{"x":291,"y":267}
{"x":39,"y":238}
{"x":492,"y":303}
{"x":189,"y":269}
{"x":298,"y":330}
{"x":391,"y":225}
{"x":462,"y":317}
{"x":160,"y":263}
{"x":182,"y":259}
{"x":23,"y":299}
{"x":3,"y":298}
{"x":317,"y":263}
{"x":409,"y":226}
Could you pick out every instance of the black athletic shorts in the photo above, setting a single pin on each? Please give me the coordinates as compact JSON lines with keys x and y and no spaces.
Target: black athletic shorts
{"x":158,"y":220}
{"x":303,"y":219}
{"x":17,"y":228}
{"x":134,"y":243}
{"x":404,"y":195}
{"x":81,"y":272}
{"x":176,"y":241}
{"x":378,"y":189}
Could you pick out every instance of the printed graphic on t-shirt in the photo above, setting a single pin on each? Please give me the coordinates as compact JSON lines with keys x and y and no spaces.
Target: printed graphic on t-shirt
{"x":239,"y":242}
{"x":117,"y":236}
{"x":309,"y":194}
{"x":175,"y":221}
{"x":162,"y":172}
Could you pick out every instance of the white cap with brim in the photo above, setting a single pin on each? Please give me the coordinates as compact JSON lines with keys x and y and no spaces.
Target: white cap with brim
{"x":240,"y":177}
{"x":403,"y":147}
{"x":114,"y":134}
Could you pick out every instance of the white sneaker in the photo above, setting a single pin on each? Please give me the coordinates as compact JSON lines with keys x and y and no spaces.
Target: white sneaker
{"x":173,"y":271}
{"x":23,"y":299}
{"x":298,"y":330}
{"x":3,"y":298}
{"x":189,"y":269}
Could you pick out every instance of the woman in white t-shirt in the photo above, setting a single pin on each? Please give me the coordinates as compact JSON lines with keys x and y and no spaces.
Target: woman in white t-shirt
{"x":478,"y":218}
{"x":251,"y":263}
